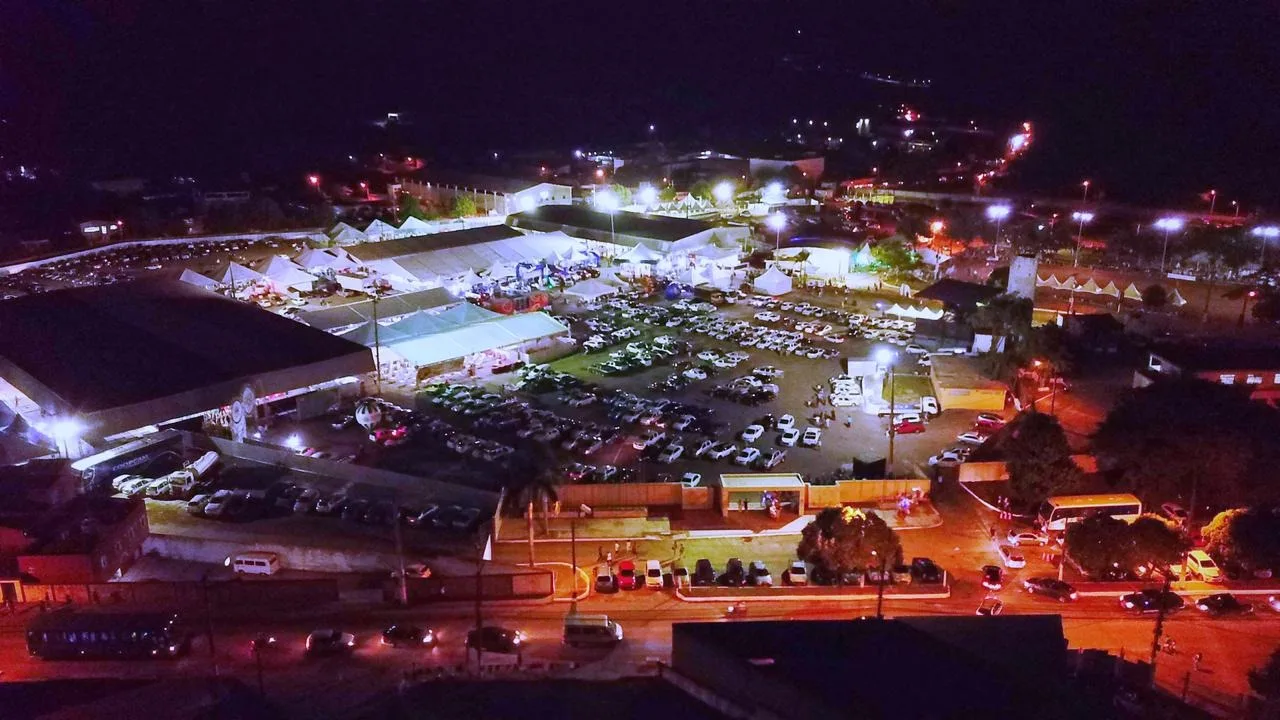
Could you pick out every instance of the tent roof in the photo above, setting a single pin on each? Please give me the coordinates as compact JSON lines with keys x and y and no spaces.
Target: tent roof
{"x":773,"y":281}
{"x":338,"y":229}
{"x":378,"y":228}
{"x":388,"y":307}
{"x":1090,"y":286}
{"x":423,"y":323}
{"x":459,"y":342}
{"x":191,"y":276}
{"x":363,"y":334}
{"x":591,"y":289}
{"x":350,"y":235}
{"x":1132,"y":292}
{"x":413,"y":224}
{"x":1111,"y":289}
{"x":641,"y":253}
{"x":313,"y":258}
{"x":761,"y":481}
{"x":239,"y":274}
{"x":277,"y":265}
{"x":292,"y":277}
{"x":466,"y":313}
{"x":576,"y":219}
{"x":411,"y":245}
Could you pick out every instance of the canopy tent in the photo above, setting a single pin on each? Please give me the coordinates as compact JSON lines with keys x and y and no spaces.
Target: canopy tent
{"x":315,"y":259}
{"x":609,"y":276}
{"x":773,"y":282}
{"x":422,"y":323}
{"x":1041,"y":281}
{"x":363,"y":334}
{"x":501,"y":270}
{"x":389,"y":269}
{"x":414,"y":226}
{"x":379,"y":230}
{"x":580,"y":256}
{"x":929,"y":256}
{"x":718,"y":255}
{"x":721,"y":277}
{"x":350,"y":236}
{"x":459,"y":342}
{"x":1053,"y":282}
{"x":237,"y":274}
{"x":340,"y":228}
{"x":641,"y":253}
{"x":277,"y":266}
{"x":863,"y":257}
{"x":469,"y":279}
{"x":896,"y":310}
{"x":467,"y":313}
{"x":1111,"y":290}
{"x":591,"y":289}
{"x":293,"y":278}
{"x":1090,"y":287}
{"x":191,"y":276}
{"x":1069,"y":284}
{"x":1176,"y":299}
{"x":1132,"y":292}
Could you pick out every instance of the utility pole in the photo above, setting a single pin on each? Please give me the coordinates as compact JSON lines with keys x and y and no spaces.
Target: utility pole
{"x":893,"y":396}
{"x":884,"y":566}
{"x":404,"y":582}
{"x":529,"y":524}
{"x":1155,"y":640}
{"x":479,"y":588}
{"x":573,"y":552}
{"x":377,"y":346}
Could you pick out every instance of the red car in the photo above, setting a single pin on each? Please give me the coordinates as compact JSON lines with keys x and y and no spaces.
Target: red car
{"x":627,"y":575}
{"x":908,"y":427}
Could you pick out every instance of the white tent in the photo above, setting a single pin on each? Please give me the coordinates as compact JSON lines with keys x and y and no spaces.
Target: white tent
{"x":277,"y":266}
{"x":469,"y":279}
{"x":379,"y":230}
{"x":609,"y":276}
{"x":414,"y":226}
{"x":591,"y":289}
{"x":501,"y":270}
{"x":293,"y":278}
{"x":929,"y":256}
{"x":1132,"y":292}
{"x":1176,"y":299}
{"x":1069,"y":284}
{"x":346,"y":282}
{"x":349,"y":236}
{"x":773,"y":282}
{"x":195,"y":278}
{"x":1041,"y":281}
{"x":720,"y":277}
{"x":1090,"y":287}
{"x":238,"y":275}
{"x":315,"y":259}
{"x":1111,"y":289}
{"x":338,"y":229}
{"x":896,"y":310}
{"x":639,"y":254}
{"x":1053,"y":282}
{"x":389,"y":269}
{"x":927,"y":314}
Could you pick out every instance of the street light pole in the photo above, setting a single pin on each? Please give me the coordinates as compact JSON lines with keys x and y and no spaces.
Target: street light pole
{"x":1081,"y":217}
{"x":893,"y":396}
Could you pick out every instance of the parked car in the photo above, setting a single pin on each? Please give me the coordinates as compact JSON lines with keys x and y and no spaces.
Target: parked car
{"x":990,"y":606}
{"x":972,"y":437}
{"x":1151,"y":600}
{"x":752,"y":433}
{"x":989,"y":421}
{"x":925,"y":570}
{"x":1223,"y":604}
{"x":992,"y":577}
{"x":908,"y":427}
{"x":797,"y":574}
{"x":329,"y":642}
{"x":1011,"y":557}
{"x":747,"y":456}
{"x":704,"y":573}
{"x":812,"y":438}
{"x":734,"y":575}
{"x":627,"y":575}
{"x":1018,"y":536}
{"x":1174,"y":512}
{"x":759,"y":575}
{"x":496,"y":639}
{"x":653,"y":575}
{"x":605,"y":582}
{"x":1050,"y":587}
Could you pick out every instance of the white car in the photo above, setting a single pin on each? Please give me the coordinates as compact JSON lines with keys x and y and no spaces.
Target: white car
{"x":758,"y":574}
{"x":789,"y":437}
{"x":798,"y":573}
{"x":772,"y":460}
{"x":786,"y":422}
{"x":973,"y":437}
{"x":914,"y":349}
{"x":768,"y":316}
{"x":738,"y":356}
{"x":695,"y":373}
{"x":703,"y":448}
{"x":721,"y":451}
{"x":683,"y":422}
{"x":846,"y":400}
{"x":947,"y":458}
{"x":1011,"y":557}
{"x":812,"y":437}
{"x":752,"y":433}
{"x":768,"y":371}
{"x":691,"y":479}
{"x":709,"y":356}
{"x":1027,"y":537}
{"x":671,"y":454}
{"x":747,"y":456}
{"x":724,"y":363}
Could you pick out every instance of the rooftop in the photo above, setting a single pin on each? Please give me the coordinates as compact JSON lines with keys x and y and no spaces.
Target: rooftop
{"x":1222,"y":355}
{"x":366,"y":252}
{"x":566,"y":218}
{"x":761,"y":481}
{"x":962,"y":372}
{"x":359,"y":312}
{"x":957,"y":293}
{"x":126,"y":355}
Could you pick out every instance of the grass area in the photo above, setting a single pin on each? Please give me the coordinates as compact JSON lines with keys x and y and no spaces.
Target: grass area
{"x":909,"y":388}
{"x":1043,"y":317}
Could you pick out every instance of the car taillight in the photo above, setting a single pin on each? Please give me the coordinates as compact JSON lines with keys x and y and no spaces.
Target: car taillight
{"x":1075,"y":596}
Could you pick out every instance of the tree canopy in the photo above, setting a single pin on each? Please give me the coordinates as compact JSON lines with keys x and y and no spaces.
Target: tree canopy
{"x":842,"y":540}
{"x":1155,"y":297}
{"x":1101,"y":543}
{"x":1186,"y":437}
{"x":463,"y":206}
{"x":895,"y":255}
{"x":1038,"y":458}
{"x":1249,"y":537}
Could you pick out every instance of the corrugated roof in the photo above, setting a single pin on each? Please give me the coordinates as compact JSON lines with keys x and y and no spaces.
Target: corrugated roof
{"x":503,"y":332}
{"x":388,"y":307}
{"x":569,"y":218}
{"x":401,"y":247}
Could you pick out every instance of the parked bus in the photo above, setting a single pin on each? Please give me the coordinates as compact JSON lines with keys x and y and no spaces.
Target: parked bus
{"x":96,"y":471}
{"x":106,"y":636}
{"x":1057,"y":511}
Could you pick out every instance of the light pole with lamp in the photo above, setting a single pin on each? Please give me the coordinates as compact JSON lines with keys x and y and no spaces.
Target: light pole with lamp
{"x":1168,"y":225}
{"x":1264,"y":234}
{"x":723,"y":192}
{"x":607,"y":202}
{"x":777,"y":222}
{"x":886,"y":357}
{"x":998,"y":213}
{"x":1081,"y":217}
{"x":1085,"y":185}
{"x":1213,"y":200}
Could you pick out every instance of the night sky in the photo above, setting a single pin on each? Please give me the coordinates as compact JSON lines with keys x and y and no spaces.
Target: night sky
{"x":1154,"y":101}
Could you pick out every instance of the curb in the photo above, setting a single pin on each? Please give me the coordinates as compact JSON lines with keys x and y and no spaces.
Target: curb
{"x":812,"y":598}
{"x":581,"y":572}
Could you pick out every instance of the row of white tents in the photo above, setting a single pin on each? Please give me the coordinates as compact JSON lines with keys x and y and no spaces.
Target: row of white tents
{"x":378,"y":230}
{"x":1132,"y":292}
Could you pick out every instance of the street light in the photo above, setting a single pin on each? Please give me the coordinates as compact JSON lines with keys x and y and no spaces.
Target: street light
{"x":1213,"y":199}
{"x":723,"y":192}
{"x":65,"y":432}
{"x":1168,"y":225}
{"x":936,"y":227}
{"x":648,"y":195}
{"x":607,"y":202}
{"x":998,"y":213}
{"x":777,"y":222}
{"x":885,"y":356}
{"x":1085,"y":185}
{"x":1082,"y":218}
{"x":1265,"y":233}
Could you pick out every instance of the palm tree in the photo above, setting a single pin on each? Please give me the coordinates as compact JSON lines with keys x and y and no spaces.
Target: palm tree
{"x":531,"y":478}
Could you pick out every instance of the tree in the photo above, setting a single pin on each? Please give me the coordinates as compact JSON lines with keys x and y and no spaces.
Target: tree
{"x":701,"y":189}
{"x":1098,"y":544}
{"x":895,"y":255}
{"x":1249,"y":537}
{"x":1154,"y":542}
{"x":411,"y":206}
{"x":1007,"y":316}
{"x":842,"y":540}
{"x":667,"y":194}
{"x":320,"y":215}
{"x":1039,"y":458}
{"x":1265,"y":680}
{"x":1155,"y":297}
{"x":1190,"y":438}
{"x":623,"y":193}
{"x":463,"y":206}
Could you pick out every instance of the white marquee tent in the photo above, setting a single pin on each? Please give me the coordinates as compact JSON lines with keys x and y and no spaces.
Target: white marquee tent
{"x":1132,"y":292}
{"x":237,"y":274}
{"x":379,"y":230}
{"x":195,"y":278}
{"x":414,"y":226}
{"x":773,"y":282}
{"x":591,"y":289}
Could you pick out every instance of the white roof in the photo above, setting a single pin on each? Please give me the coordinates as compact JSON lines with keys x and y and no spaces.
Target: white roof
{"x":773,"y":282}
{"x":378,"y":228}
{"x":340,"y":228}
{"x":350,"y":236}
{"x":195,"y":278}
{"x":239,"y":275}
{"x":591,"y":289}
{"x":349,"y":283}
{"x":313,"y":258}
{"x":641,"y":253}
{"x":292,"y":277}
{"x":278,"y":266}
{"x":762,"y":481}
{"x":478,"y":337}
{"x":414,"y":226}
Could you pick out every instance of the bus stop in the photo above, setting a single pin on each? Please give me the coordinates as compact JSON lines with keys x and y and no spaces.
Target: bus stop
{"x":742,"y":492}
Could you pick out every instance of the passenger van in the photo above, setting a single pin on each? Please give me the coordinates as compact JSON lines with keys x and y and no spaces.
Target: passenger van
{"x":1200,"y":565}
{"x":255,"y":563}
{"x":591,"y":630}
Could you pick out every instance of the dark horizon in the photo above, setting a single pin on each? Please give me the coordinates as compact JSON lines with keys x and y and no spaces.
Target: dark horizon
{"x":1151,"y":105}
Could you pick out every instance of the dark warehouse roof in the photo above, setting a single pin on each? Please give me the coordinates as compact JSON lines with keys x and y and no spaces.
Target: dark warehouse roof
{"x":567,"y":218}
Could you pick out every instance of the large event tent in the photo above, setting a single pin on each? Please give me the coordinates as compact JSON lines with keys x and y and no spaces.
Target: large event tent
{"x":591,"y":289}
{"x":379,"y":230}
{"x":640,"y":253}
{"x":364,"y":334}
{"x":315,"y":259}
{"x":773,"y":282}
{"x":347,"y":235}
{"x":482,"y":335}
{"x":414,"y":226}
{"x":195,"y":278}
{"x":237,"y":274}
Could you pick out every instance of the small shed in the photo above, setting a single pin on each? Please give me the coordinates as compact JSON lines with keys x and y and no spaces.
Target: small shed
{"x":751,"y":491}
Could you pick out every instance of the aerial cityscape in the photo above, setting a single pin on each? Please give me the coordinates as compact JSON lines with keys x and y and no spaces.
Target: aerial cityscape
{"x":724,"y":360}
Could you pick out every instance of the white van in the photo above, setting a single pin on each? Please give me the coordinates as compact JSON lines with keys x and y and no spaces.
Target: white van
{"x":591,"y":630}
{"x":255,"y":563}
{"x":653,"y":574}
{"x":1200,"y":565}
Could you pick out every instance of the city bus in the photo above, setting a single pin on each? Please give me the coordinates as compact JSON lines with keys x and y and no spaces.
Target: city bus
{"x":1057,"y":511}
{"x":106,"y":636}
{"x":96,"y":471}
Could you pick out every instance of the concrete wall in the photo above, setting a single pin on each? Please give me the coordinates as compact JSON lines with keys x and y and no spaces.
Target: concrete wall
{"x":996,"y":470}
{"x":854,"y":492}
{"x":230,"y":594}
{"x":293,"y":556}
{"x":631,"y":495}
{"x":699,"y":498}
